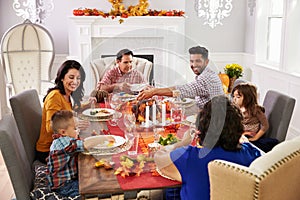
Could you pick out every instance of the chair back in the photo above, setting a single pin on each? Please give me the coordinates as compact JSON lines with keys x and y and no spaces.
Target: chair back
{"x":15,"y":158}
{"x":278,"y":109}
{"x":101,"y":65}
{"x":27,"y":112}
{"x":27,"y":51}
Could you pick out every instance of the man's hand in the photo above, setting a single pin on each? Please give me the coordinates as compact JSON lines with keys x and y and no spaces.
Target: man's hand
{"x":145,"y":94}
{"x":125,"y":87}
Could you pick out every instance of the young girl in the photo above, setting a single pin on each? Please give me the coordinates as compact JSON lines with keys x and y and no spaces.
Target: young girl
{"x":254,"y":119}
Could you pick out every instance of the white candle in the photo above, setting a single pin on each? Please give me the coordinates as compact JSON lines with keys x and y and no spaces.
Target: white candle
{"x":163,"y":114}
{"x":154,"y":113}
{"x":147,"y":116}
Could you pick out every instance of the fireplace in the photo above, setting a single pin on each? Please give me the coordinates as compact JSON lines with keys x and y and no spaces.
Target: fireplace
{"x":145,"y":56}
{"x":162,"y":37}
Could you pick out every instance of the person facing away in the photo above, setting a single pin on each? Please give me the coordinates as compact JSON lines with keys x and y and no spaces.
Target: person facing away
{"x":65,"y":95}
{"x":220,"y":127}
{"x":206,"y":85}
{"x":63,"y":157}
{"x":254,"y":119}
{"x":120,"y":77}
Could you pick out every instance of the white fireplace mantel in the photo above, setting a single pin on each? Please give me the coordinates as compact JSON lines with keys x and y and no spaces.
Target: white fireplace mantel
{"x":93,"y":36}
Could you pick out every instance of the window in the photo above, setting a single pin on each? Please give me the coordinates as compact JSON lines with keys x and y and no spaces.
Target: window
{"x":274,"y":31}
{"x":277,"y":43}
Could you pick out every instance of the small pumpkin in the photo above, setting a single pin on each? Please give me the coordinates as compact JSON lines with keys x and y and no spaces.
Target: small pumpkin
{"x":225,"y":81}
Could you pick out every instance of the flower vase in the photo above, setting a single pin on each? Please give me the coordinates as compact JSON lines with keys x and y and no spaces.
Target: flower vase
{"x":231,"y":83}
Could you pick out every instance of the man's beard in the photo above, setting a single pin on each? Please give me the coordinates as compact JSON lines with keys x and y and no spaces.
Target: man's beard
{"x":199,"y":69}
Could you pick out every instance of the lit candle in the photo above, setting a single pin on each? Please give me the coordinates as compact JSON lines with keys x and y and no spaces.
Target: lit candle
{"x":163,"y":114}
{"x":154,"y":113}
{"x":147,"y":116}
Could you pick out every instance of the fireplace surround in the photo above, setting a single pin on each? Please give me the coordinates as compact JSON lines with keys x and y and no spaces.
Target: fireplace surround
{"x":91,"y":37}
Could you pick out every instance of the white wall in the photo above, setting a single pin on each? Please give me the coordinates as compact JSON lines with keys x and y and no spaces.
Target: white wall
{"x":57,"y":22}
{"x":229,"y":37}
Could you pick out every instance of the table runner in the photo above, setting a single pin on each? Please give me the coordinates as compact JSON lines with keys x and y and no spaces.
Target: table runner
{"x":147,"y":179}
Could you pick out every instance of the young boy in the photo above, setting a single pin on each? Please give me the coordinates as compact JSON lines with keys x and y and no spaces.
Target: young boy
{"x":63,"y":156}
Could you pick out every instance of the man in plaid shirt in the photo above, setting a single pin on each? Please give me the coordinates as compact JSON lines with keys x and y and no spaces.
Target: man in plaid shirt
{"x":119,"y":78}
{"x":206,"y":85}
{"x":63,"y":157}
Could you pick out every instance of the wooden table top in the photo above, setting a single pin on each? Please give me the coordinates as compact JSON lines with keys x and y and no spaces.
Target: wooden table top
{"x":96,"y":180}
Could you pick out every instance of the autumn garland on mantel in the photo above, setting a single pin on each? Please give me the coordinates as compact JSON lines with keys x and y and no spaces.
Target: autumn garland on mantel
{"x":118,"y":9}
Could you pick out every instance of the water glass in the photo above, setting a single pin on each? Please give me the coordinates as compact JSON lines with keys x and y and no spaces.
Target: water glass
{"x":176,"y":114}
{"x":133,"y":139}
{"x":129,"y":121}
{"x":106,"y":102}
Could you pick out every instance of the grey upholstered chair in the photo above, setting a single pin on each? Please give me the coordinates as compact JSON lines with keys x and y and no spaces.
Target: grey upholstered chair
{"x":28,"y":115}
{"x":238,"y":81}
{"x":101,"y":65}
{"x":279,"y":109}
{"x":15,"y":158}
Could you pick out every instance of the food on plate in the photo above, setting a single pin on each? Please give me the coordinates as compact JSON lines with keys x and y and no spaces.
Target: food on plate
{"x":171,"y":128}
{"x":100,"y":141}
{"x":99,"y":112}
{"x":170,"y":139}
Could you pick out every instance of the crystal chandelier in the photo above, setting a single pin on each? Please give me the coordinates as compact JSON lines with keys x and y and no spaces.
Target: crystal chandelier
{"x":213,"y":11}
{"x":251,"y":6}
{"x":34,"y":10}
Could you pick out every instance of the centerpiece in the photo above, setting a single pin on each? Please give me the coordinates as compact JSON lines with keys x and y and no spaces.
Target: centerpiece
{"x":234,"y":71}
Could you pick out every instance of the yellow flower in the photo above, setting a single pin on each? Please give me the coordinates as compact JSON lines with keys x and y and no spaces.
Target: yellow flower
{"x":233,"y":70}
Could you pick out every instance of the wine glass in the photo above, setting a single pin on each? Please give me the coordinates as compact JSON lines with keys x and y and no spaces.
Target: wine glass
{"x":129,"y":121}
{"x":114,"y":101}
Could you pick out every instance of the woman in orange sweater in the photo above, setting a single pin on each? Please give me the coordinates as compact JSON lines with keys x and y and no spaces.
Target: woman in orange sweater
{"x":65,"y":95}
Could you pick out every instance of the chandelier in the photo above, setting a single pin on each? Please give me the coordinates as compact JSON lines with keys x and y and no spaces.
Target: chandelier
{"x":251,"y":6}
{"x":213,"y":11}
{"x":34,"y":10}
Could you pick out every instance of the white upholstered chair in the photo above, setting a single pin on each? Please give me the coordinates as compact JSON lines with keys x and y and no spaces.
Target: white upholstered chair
{"x":273,"y":176}
{"x":27,"y":54}
{"x":101,"y":65}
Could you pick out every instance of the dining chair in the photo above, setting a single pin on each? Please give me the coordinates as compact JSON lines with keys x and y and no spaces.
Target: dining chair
{"x":27,"y":112}
{"x":101,"y":65}
{"x":279,"y":110}
{"x":27,"y":53}
{"x":15,"y":158}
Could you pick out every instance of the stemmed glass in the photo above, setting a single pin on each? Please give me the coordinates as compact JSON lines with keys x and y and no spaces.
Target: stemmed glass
{"x":114,"y":101}
{"x":129,"y":121}
{"x":130,"y":134}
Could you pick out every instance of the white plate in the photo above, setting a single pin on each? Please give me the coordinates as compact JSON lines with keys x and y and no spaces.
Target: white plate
{"x":104,"y":143}
{"x":137,"y":87}
{"x":101,"y":112}
{"x":191,"y":118}
{"x":185,"y":101}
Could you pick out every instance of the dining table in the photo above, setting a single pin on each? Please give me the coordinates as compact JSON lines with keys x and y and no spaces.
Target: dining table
{"x":95,"y":181}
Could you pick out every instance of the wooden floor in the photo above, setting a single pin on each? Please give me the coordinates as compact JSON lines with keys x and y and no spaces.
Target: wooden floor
{"x":6,"y":189}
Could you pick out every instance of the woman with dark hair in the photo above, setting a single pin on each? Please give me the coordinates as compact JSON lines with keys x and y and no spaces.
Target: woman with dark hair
{"x":220,"y":127}
{"x":65,"y":95}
